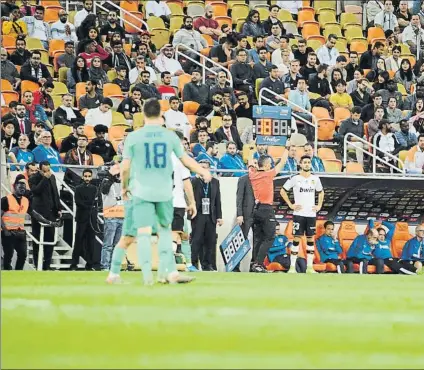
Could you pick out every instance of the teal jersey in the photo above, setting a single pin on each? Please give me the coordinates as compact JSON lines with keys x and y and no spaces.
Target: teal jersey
{"x":149,"y":149}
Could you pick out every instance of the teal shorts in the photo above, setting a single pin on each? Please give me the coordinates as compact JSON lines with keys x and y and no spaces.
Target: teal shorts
{"x":140,"y":213}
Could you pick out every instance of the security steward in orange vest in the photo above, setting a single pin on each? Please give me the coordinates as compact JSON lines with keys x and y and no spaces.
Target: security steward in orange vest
{"x":14,"y":207}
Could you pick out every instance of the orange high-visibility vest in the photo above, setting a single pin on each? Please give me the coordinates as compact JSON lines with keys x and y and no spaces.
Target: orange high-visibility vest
{"x":14,"y":218}
{"x":114,"y":212}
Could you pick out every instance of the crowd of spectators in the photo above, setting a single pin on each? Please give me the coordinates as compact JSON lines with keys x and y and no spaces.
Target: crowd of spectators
{"x":73,"y":85}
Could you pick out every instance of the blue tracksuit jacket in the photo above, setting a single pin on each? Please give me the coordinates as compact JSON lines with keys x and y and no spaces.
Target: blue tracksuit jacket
{"x":279,"y":247}
{"x":213,"y":160}
{"x":291,"y":165}
{"x":360,"y":248}
{"x":317,"y":164}
{"x":413,"y":250}
{"x":232,"y":162}
{"x":328,"y":248}
{"x":382,"y":249}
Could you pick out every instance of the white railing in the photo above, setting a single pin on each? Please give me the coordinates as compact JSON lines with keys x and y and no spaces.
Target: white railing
{"x":96,"y":4}
{"x":314,"y":122}
{"x":202,"y":63}
{"x":373,"y":154}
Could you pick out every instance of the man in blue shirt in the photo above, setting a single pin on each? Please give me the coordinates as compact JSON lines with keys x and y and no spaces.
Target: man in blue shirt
{"x":413,"y":251}
{"x":291,"y":162}
{"x":45,"y":151}
{"x":361,"y":250}
{"x":316,"y":162}
{"x":278,"y":252}
{"x":232,"y":161}
{"x":329,"y":247}
{"x":210,"y":154}
{"x":382,"y":253}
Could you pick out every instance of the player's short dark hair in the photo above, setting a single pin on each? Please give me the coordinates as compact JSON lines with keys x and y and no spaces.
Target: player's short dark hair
{"x":15,"y":104}
{"x":328,"y":223}
{"x":230,"y":143}
{"x":87,"y":170}
{"x":40,"y":8}
{"x":378,"y":95}
{"x":145,"y":73}
{"x":69,"y":43}
{"x":304,"y":157}
{"x":151,"y":108}
{"x":356,"y":110}
{"x":172,"y":98}
{"x":36,"y":52}
{"x":262,"y":160}
{"x":210,"y":144}
{"x":83,"y":135}
{"x":420,"y":136}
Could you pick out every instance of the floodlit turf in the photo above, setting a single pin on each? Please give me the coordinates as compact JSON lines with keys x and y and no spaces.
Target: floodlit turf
{"x":222,"y":320}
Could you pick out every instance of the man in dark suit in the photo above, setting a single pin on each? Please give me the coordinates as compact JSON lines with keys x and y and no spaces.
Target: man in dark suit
{"x":19,"y":119}
{"x":228,"y":132}
{"x":86,"y":218}
{"x":245,"y":204}
{"x":209,"y":214}
{"x":45,"y":201}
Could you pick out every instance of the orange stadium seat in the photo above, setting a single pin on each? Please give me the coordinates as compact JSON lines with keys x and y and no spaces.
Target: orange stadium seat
{"x":10,"y":96}
{"x":51,"y":14}
{"x":375,"y":33}
{"x":223,"y":20}
{"x":116,"y":132}
{"x":190,"y":107}
{"x":332,"y":165}
{"x":129,"y":5}
{"x":310,"y":29}
{"x":182,"y":80}
{"x":276,"y":151}
{"x":305,"y":15}
{"x":164,"y":105}
{"x":354,"y":167}
{"x":29,"y":86}
{"x":320,"y":112}
{"x":346,"y":234}
{"x":89,"y":131}
{"x":112,"y":91}
{"x":326,"y":153}
{"x":98,"y":160}
{"x":400,"y":237}
{"x":340,"y":114}
{"x":56,"y":45}
{"x":326,"y":129}
{"x":135,"y":22}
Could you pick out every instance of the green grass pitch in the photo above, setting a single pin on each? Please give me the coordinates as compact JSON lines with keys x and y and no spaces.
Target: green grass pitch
{"x":73,"y":320}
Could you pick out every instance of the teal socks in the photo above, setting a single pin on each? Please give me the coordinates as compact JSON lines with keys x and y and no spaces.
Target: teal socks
{"x":117,"y":257}
{"x":186,"y":251}
{"x":144,"y":253}
{"x":166,"y":253}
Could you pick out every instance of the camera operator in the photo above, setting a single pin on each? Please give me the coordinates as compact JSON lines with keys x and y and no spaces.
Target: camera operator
{"x":113,"y":213}
{"x":86,"y":219}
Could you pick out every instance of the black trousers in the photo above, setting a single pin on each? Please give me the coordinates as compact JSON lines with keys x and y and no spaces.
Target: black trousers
{"x":392,"y":263}
{"x":336,"y":262}
{"x":12,"y":243}
{"x":351,"y":261}
{"x":263,"y":230}
{"x":203,"y":241}
{"x":300,"y":265}
{"x":85,"y":245}
{"x":48,"y":249}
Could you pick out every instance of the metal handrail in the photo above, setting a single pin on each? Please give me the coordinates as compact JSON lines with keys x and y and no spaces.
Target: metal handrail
{"x":203,"y":65}
{"x":314,"y":122}
{"x":96,"y":4}
{"x":374,"y":151}
{"x":374,"y":155}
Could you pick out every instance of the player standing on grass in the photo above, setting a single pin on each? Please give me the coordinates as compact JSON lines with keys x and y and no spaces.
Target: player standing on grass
{"x":180,"y":224}
{"x":304,"y":186}
{"x":146,"y":175}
